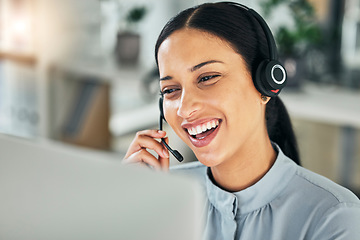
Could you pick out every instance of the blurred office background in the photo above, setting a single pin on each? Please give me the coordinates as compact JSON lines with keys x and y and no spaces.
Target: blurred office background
{"x":83,"y":72}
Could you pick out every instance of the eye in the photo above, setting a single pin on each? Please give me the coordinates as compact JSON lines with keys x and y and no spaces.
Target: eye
{"x":169,"y":91}
{"x":209,"y":79}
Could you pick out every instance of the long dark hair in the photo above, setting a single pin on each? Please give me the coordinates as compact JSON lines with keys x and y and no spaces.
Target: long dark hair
{"x":239,"y":28}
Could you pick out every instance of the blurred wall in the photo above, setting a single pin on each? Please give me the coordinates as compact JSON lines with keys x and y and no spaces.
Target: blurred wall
{"x":75,"y":40}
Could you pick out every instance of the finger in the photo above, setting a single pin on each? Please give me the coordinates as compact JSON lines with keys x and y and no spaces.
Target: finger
{"x":147,"y":133}
{"x":152,"y":133}
{"x":165,"y":161}
{"x":147,"y":141}
{"x":144,"y":156}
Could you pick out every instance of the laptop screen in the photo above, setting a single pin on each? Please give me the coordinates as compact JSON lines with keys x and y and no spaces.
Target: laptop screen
{"x":55,"y":191}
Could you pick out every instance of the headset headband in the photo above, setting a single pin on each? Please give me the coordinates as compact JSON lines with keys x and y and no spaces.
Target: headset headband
{"x":265,"y":28}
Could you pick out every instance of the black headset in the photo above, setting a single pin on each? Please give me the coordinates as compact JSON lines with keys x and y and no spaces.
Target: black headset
{"x":175,"y":153}
{"x":270,"y":77}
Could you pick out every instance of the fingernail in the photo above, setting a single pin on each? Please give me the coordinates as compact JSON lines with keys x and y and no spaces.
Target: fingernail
{"x":163,"y":133}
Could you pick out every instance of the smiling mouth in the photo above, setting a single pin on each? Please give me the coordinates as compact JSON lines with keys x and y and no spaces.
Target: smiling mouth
{"x":203,"y":130}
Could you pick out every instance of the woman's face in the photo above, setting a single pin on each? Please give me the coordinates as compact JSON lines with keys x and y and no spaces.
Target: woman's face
{"x":209,"y":97}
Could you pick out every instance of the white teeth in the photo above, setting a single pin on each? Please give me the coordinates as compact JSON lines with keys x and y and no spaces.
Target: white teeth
{"x":203,"y":128}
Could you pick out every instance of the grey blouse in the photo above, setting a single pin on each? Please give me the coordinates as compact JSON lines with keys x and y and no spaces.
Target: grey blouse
{"x":289,"y":202}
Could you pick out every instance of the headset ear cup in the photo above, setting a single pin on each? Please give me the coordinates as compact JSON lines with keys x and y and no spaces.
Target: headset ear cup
{"x":258,"y":79}
{"x":270,"y":78}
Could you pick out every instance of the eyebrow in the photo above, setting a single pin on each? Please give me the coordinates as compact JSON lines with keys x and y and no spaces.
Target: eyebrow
{"x":165,"y":78}
{"x":200,"y":65}
{"x":194,"y":68}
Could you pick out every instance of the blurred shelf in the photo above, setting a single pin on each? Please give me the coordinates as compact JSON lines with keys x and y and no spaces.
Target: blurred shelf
{"x":134,"y":120}
{"x":18,"y":57}
{"x":108,"y":72}
{"x":330,"y":104}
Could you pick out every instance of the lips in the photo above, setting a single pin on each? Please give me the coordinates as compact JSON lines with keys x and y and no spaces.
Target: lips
{"x":203,"y":128}
{"x":201,"y":134}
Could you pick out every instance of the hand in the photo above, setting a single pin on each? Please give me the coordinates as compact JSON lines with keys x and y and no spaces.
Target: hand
{"x":138,"y":150}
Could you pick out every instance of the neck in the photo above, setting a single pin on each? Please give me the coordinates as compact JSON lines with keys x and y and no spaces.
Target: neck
{"x":249,"y":165}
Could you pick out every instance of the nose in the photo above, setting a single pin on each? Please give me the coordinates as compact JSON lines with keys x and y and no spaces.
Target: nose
{"x":189,"y":104}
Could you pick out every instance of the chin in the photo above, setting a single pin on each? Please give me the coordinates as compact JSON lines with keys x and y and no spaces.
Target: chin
{"x":209,"y":159}
{"x":209,"y":156}
{"x":209,"y":163}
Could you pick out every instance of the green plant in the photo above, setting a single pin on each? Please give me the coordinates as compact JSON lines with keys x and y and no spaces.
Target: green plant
{"x":135,"y":15}
{"x":306,"y":33}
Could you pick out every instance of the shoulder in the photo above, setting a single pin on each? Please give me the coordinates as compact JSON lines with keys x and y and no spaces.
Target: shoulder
{"x":322,"y":187}
{"x":341,"y":220}
{"x":334,"y":210}
{"x":308,"y":184}
{"x":328,"y":209}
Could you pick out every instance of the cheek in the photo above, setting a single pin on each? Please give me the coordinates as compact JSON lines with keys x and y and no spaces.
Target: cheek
{"x":169,"y":109}
{"x":170,"y":114}
{"x":242,"y":105}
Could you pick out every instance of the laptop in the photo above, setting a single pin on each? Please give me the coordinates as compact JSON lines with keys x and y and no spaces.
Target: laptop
{"x":55,"y":191}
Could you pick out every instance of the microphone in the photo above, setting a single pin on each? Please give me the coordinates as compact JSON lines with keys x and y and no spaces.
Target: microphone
{"x":175,"y":153}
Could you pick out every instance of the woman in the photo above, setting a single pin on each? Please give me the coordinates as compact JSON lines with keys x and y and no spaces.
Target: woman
{"x":208,"y":58}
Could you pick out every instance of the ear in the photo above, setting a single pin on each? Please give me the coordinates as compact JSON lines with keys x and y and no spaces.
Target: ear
{"x":264,"y":99}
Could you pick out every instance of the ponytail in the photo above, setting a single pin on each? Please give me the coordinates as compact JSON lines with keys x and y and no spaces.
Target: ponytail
{"x":280,"y":128}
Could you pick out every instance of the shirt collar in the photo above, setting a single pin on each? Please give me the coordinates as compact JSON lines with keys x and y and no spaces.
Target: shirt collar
{"x":255,"y":196}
